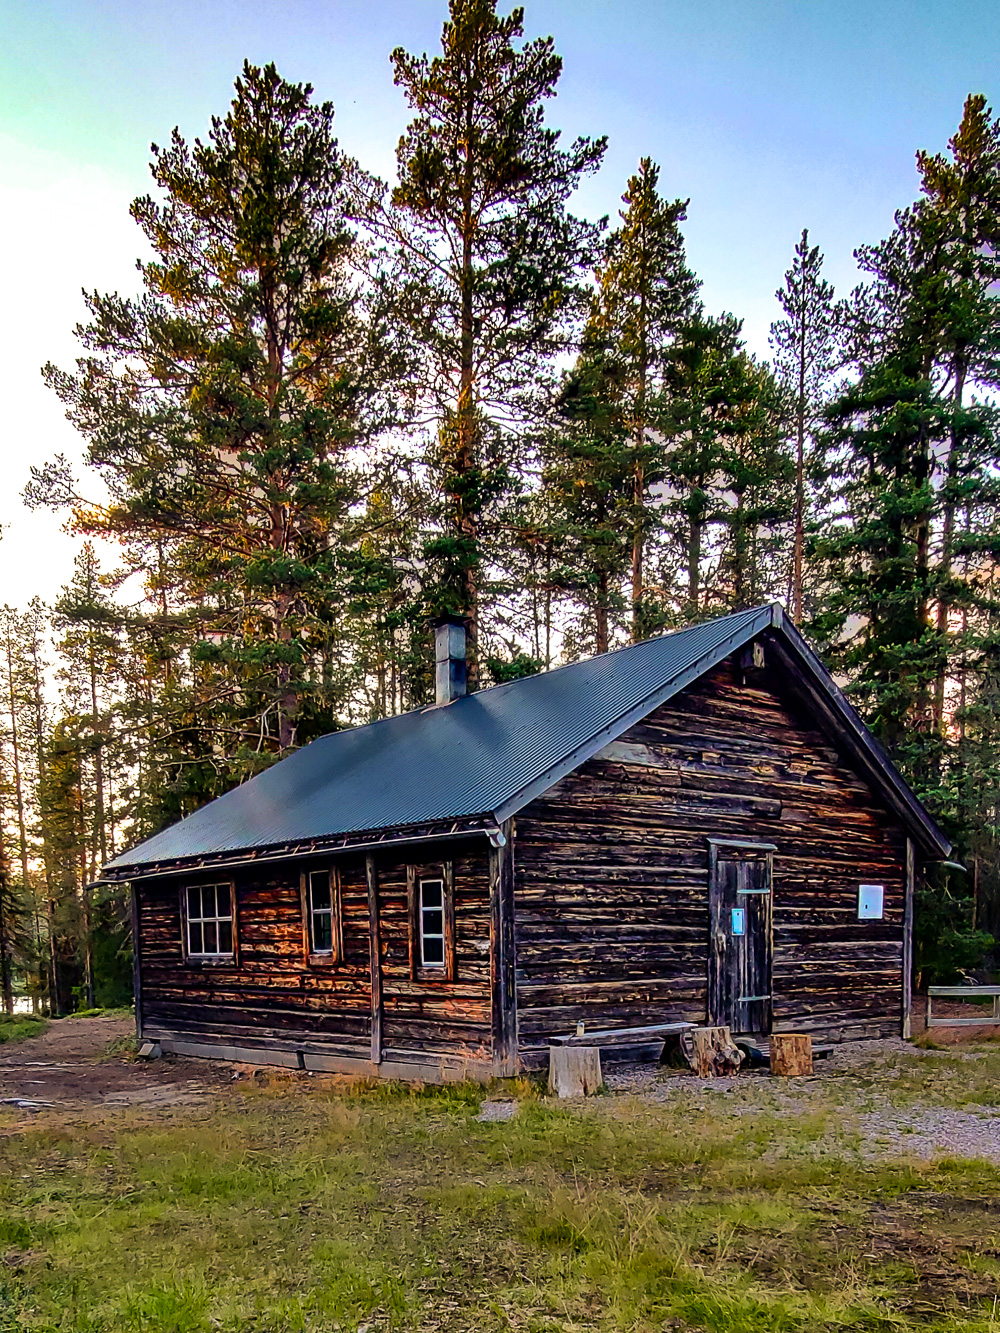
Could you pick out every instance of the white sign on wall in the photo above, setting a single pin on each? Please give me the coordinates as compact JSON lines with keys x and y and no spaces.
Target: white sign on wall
{"x":871,"y":899}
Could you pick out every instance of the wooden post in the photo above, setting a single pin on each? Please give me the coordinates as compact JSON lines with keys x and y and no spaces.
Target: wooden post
{"x":376,"y":959}
{"x":133,"y":893}
{"x":791,"y":1053}
{"x":907,"y":997}
{"x":503,"y":983}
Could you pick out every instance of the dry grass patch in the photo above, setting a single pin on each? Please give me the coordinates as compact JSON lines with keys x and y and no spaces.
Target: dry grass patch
{"x":281,"y":1209}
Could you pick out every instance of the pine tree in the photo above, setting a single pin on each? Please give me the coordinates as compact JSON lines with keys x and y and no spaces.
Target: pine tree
{"x":805,"y":347}
{"x":10,"y":921}
{"x":587,"y":479}
{"x":22,"y":690}
{"x":710,"y":388}
{"x":253,"y":371}
{"x":909,"y":555}
{"x":490,"y":259}
{"x":645,"y":295}
{"x":754,"y":506}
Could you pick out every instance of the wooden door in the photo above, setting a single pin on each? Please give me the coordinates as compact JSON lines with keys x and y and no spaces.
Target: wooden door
{"x":740,"y":938}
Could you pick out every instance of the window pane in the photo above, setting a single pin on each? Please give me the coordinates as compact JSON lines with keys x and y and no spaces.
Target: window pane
{"x":211,"y":938}
{"x":433,"y":951}
{"x":431,"y":892}
{"x":433,"y":922}
{"x":194,"y":937}
{"x":320,"y":882}
{"x":225,"y":937}
{"x":225,"y":902}
{"x":193,"y":902}
{"x":322,"y":932}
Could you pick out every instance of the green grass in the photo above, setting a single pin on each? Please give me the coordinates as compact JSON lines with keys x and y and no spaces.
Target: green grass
{"x":19,"y":1027}
{"x":118,"y":1012}
{"x":295,"y":1208}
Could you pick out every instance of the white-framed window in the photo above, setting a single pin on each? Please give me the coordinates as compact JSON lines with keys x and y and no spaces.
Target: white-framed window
{"x":321,"y":922}
{"x":321,"y":912}
{"x":209,"y":920}
{"x":431,"y":923}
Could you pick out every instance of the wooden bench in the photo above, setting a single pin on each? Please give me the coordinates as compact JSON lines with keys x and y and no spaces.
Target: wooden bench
{"x":638,"y":1036}
{"x":964,"y":993}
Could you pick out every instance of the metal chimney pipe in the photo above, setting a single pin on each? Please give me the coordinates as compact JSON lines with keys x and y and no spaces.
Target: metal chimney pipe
{"x":449,"y":661}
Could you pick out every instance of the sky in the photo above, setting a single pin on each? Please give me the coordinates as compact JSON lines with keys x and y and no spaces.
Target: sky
{"x":768,"y":116}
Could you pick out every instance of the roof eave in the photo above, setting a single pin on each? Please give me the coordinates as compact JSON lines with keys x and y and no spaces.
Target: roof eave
{"x":484,"y":825}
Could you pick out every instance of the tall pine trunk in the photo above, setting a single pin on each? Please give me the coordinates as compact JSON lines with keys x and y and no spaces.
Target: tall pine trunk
{"x":6,"y":944}
{"x":466,"y":518}
{"x":947,"y":544}
{"x":800,"y":480}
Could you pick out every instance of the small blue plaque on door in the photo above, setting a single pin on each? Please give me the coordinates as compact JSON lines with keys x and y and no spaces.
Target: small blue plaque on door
{"x":739,"y":920}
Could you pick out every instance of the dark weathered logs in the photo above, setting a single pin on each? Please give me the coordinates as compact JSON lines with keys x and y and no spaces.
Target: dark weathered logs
{"x":612,"y":872}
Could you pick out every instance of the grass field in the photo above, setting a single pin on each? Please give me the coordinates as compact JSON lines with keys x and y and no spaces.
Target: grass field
{"x":296,"y":1207}
{"x":20,"y":1027}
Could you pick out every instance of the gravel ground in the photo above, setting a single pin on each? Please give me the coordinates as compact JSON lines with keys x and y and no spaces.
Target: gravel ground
{"x":847,"y":1081}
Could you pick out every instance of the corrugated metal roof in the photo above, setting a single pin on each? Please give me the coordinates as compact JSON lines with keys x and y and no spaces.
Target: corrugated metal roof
{"x":487,"y":753}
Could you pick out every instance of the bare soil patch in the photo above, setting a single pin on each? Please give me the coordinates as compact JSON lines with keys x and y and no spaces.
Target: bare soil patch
{"x":69,"y":1067}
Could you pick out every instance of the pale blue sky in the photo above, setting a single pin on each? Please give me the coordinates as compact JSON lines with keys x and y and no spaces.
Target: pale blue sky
{"x":770,"y":116}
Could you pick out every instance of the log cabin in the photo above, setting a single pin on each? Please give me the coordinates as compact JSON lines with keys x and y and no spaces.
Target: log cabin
{"x":698,"y":827}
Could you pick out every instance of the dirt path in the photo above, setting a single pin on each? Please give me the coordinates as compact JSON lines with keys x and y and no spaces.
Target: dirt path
{"x":68,"y":1067}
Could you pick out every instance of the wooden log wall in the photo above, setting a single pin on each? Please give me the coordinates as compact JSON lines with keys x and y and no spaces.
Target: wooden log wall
{"x":272,"y":997}
{"x":429,"y":1015}
{"x":611,"y":871}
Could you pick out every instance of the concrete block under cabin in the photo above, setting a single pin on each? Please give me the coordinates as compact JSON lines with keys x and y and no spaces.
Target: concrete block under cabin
{"x":696,"y":829}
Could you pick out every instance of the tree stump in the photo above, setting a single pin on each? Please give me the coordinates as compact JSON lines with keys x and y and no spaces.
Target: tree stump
{"x":791,"y":1054}
{"x":574,"y":1071}
{"x":711,"y":1052}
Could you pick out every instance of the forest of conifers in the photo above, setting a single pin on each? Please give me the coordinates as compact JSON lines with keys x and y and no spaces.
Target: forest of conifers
{"x":342,"y":407}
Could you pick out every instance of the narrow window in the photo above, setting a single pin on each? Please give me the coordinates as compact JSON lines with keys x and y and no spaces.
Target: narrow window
{"x":432,"y":923}
{"x":320,"y":912}
{"x":321,"y":926}
{"x":209,"y":911}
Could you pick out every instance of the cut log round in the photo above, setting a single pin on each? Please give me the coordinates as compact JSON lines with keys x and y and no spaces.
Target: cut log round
{"x":791,"y":1054}
{"x":711,"y":1052}
{"x":574,"y":1071}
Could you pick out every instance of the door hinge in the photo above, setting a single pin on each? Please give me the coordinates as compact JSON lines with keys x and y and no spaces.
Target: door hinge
{"x":749,"y":999}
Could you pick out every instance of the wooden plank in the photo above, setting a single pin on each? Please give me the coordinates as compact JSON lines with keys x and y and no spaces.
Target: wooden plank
{"x":620,"y":1036}
{"x":136,"y":958}
{"x":371,"y":873}
{"x":909,"y":891}
{"x":448,"y":873}
{"x":964,"y":992}
{"x":503,"y":987}
{"x":413,"y":918}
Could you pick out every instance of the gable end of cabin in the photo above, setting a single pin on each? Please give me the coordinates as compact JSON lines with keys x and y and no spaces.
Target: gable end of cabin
{"x":724,"y":810}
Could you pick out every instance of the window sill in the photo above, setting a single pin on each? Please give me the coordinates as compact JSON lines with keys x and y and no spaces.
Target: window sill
{"x":323,"y":960}
{"x":211,"y":960}
{"x":433,"y":974}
